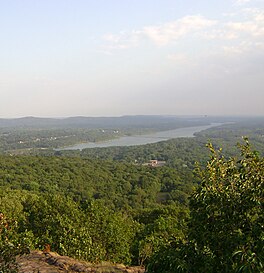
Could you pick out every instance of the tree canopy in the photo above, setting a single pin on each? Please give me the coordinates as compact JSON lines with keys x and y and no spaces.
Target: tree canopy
{"x":226,"y":227}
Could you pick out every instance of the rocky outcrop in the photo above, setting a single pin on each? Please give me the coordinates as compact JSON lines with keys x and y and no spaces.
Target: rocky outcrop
{"x":50,"y":262}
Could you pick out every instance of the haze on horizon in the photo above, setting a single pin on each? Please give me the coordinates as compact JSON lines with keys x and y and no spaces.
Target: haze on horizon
{"x":121,"y":57}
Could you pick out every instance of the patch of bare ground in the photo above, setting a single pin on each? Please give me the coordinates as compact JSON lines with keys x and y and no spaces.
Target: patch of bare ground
{"x":51,"y":262}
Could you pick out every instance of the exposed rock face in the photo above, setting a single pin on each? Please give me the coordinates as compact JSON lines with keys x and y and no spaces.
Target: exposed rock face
{"x":43,"y":262}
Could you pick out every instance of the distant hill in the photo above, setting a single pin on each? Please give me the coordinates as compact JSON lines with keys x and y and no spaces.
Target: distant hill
{"x":140,"y":121}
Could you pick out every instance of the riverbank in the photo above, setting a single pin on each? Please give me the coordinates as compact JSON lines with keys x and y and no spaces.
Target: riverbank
{"x":143,"y":139}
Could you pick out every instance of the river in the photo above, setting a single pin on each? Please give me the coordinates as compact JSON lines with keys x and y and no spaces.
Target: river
{"x":143,"y":139}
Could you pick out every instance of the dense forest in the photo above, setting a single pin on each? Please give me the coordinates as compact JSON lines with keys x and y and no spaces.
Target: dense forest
{"x":108,"y":205}
{"x":93,"y":210}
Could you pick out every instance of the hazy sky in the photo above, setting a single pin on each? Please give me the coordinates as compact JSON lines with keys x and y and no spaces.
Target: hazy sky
{"x":117,"y":57}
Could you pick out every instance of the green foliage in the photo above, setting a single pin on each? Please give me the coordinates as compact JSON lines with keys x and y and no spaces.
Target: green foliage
{"x":51,"y":218}
{"x":90,"y":232}
{"x":118,"y":185}
{"x":111,"y":234}
{"x":171,"y":258}
{"x":226,"y":228}
{"x":227,"y":211}
{"x":11,"y":244}
{"x":158,"y":228}
{"x":89,"y":209}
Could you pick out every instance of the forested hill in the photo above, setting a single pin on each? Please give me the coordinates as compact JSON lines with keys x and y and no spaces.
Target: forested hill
{"x":140,"y":121}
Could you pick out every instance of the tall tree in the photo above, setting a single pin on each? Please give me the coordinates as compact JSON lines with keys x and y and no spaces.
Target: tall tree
{"x":226,"y":228}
